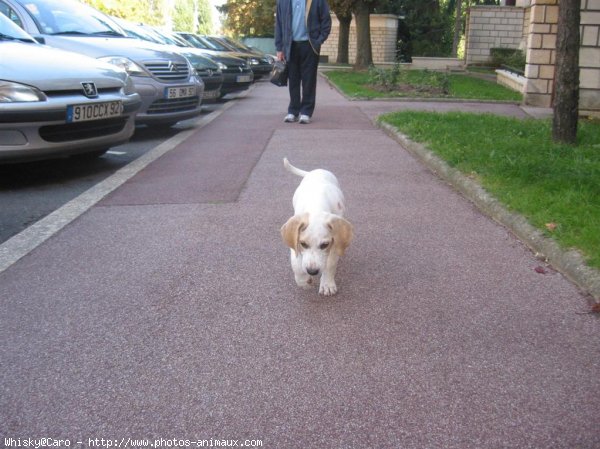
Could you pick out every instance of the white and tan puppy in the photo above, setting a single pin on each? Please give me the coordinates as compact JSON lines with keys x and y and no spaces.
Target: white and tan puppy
{"x":317,"y":234}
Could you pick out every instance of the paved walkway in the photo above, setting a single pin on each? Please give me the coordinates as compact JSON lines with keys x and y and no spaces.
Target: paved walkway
{"x":169,"y":310}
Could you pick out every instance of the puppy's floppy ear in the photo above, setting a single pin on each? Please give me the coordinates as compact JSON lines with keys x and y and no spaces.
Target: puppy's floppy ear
{"x":290,"y":231}
{"x":342,"y":232}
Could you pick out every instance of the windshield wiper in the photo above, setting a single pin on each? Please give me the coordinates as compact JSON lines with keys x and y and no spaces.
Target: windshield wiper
{"x":6,"y":37}
{"x":108,"y":33}
{"x":68,"y":33}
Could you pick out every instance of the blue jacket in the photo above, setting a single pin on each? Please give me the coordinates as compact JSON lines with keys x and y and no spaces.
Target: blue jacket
{"x":318,"y":25}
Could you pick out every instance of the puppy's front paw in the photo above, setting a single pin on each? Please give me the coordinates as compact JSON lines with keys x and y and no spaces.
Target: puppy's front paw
{"x":327,"y":288}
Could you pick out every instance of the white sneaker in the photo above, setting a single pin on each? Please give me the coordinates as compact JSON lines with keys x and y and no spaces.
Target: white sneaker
{"x":304,"y":119}
{"x":290,"y":118}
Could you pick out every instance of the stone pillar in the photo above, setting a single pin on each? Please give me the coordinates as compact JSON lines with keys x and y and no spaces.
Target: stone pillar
{"x":589,"y":58}
{"x":541,"y":53}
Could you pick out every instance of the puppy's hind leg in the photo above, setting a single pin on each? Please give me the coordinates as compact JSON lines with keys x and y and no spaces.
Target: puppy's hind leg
{"x":303,"y":279}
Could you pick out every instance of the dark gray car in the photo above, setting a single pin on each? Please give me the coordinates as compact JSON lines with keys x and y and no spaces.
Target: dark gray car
{"x":169,"y":87}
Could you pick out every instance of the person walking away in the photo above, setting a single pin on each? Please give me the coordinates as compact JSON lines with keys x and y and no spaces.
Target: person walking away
{"x":301,"y":27}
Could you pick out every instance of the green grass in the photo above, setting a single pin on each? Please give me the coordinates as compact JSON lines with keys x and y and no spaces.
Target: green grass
{"x":355,"y":84}
{"x":517,"y":162}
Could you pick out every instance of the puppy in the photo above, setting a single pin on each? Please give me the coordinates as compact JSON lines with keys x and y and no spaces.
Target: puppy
{"x":317,"y":234}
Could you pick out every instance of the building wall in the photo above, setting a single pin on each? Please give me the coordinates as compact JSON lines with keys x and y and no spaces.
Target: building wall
{"x":541,"y":53}
{"x":589,"y":56}
{"x":492,"y":27}
{"x":538,"y":38}
{"x":384,"y":32}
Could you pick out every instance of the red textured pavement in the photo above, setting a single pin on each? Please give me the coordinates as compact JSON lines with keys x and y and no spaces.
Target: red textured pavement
{"x":169,"y":309}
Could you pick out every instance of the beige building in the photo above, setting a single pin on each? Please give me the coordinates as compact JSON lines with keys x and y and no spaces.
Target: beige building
{"x":531,"y":25}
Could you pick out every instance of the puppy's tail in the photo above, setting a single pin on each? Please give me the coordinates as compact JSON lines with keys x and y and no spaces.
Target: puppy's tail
{"x":293,"y":169}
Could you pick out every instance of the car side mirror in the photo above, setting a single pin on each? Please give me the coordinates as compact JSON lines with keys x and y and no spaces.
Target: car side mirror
{"x":40,"y":39}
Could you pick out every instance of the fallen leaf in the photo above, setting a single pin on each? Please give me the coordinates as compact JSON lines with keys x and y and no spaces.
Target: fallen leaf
{"x":540,"y":269}
{"x":551,"y":226}
{"x":594,"y":309}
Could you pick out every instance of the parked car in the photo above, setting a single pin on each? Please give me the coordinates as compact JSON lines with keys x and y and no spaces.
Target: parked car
{"x":260,"y":64}
{"x":241,"y":47}
{"x":55,"y":103}
{"x":167,"y":83}
{"x":208,"y":70}
{"x":238,"y":75}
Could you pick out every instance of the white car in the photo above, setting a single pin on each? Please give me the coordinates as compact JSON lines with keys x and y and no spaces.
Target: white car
{"x":55,"y":103}
{"x":168,"y":85}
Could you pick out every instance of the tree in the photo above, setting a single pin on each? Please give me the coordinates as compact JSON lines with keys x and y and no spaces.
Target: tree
{"x":151,"y":12}
{"x":457,"y":28}
{"x":425,"y":28}
{"x":192,"y":15}
{"x":205,"y":19}
{"x":343,"y":12}
{"x":249,"y":17}
{"x":566,"y":95}
{"x":364,"y":53}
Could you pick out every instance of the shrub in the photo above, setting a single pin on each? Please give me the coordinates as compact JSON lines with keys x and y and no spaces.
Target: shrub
{"x":509,"y":57}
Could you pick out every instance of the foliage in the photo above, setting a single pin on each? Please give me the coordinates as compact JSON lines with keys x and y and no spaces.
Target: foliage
{"x":249,"y":17}
{"x":398,"y":78}
{"x":152,"y":13}
{"x":510,"y":57}
{"x":359,"y":84}
{"x":555,"y":186}
{"x":185,"y":15}
{"x":205,"y":17}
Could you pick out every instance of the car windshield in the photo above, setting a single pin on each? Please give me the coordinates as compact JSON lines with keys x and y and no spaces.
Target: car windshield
{"x":197,"y":42}
{"x":9,"y":31}
{"x":236,"y":44}
{"x":69,"y":17}
{"x":214,"y":44}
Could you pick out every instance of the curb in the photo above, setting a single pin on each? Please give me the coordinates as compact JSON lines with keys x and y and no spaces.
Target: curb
{"x":569,"y":262}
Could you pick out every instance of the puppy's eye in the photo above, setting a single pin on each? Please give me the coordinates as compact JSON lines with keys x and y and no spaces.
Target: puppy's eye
{"x":324,"y":245}
{"x":304,"y":245}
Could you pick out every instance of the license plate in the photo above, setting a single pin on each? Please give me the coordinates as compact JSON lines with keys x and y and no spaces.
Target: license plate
{"x":211,"y":94}
{"x":244,"y":78}
{"x":94,"y":111}
{"x":180,"y":92}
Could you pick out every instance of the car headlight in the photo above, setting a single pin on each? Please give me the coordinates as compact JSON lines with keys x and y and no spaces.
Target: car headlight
{"x":19,"y":93}
{"x":126,"y":64}
{"x":254,"y":61}
{"x":222,"y":66}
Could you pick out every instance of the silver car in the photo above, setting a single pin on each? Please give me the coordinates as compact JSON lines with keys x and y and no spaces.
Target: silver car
{"x":168,"y":85}
{"x":55,"y":103}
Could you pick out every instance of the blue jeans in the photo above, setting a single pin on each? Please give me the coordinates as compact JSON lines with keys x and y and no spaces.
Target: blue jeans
{"x":302,"y":78}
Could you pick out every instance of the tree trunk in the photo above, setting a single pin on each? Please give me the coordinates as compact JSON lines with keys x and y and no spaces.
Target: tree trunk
{"x":566,"y":95}
{"x":344,"y":37}
{"x":457,"y":28}
{"x":364,"y":55}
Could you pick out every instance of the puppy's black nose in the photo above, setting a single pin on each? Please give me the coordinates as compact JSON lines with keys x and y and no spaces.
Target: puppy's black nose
{"x":312,"y":271}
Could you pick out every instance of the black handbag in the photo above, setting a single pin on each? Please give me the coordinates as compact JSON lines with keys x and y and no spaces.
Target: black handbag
{"x":279,"y":74}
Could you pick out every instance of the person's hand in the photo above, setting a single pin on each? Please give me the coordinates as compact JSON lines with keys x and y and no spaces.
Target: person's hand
{"x":280,"y":56}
